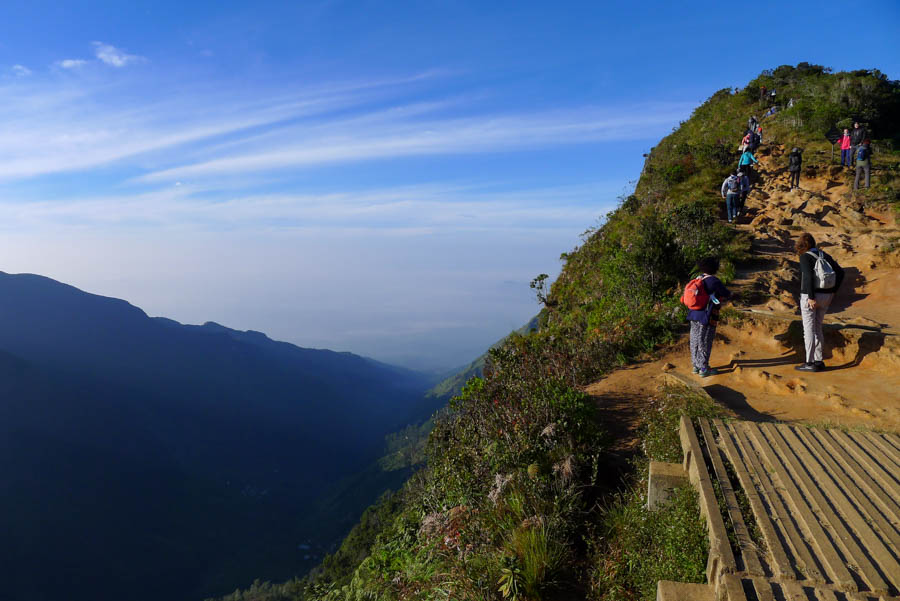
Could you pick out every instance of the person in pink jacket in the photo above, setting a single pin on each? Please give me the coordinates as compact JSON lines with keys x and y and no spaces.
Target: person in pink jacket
{"x":846,"y":153}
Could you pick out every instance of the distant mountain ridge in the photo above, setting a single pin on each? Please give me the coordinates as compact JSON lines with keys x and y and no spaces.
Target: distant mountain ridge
{"x":145,"y":454}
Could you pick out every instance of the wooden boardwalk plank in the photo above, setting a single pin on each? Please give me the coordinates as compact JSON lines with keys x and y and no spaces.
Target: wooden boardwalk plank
{"x":870,"y":459}
{"x":887,"y":529}
{"x":823,"y":554}
{"x":887,"y":448}
{"x":793,"y":591}
{"x":854,"y":470}
{"x":781,"y":563}
{"x":825,"y":594}
{"x":808,"y":500}
{"x":893,"y":440}
{"x":721,"y":559}
{"x":748,"y":550}
{"x":803,"y":559}
{"x":734,"y":588}
{"x":763,"y":589}
{"x":878,"y":556}
{"x":822,"y":468}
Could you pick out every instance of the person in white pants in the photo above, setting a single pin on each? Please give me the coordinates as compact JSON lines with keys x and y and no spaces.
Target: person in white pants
{"x":815,"y":298}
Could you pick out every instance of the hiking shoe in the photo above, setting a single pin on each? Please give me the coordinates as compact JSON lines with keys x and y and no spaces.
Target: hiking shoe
{"x":807,"y":367}
{"x":819,"y":365}
{"x":709,"y":372}
{"x":694,"y":370}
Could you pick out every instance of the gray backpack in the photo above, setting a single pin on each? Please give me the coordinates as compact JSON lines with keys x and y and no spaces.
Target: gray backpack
{"x":823,"y":273}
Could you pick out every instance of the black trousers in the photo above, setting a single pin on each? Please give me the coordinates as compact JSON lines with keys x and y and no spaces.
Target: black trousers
{"x":795,"y":179}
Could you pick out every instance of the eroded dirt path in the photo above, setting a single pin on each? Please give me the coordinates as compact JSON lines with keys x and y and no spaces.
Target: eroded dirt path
{"x":756,"y":352}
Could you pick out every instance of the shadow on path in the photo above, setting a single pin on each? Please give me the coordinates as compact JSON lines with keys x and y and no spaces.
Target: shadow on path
{"x":869,"y":342}
{"x":737,"y":402}
{"x":847,"y":295}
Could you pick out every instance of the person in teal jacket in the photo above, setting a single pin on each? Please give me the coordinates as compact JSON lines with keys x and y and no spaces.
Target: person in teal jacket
{"x":746,"y":163}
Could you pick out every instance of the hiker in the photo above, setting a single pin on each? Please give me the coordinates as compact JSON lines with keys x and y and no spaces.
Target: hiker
{"x":752,"y":122}
{"x":820,"y":278}
{"x":703,"y":296}
{"x":745,"y":142}
{"x":755,"y":139}
{"x":846,"y":152}
{"x":863,"y":160}
{"x":731,"y":192}
{"x":795,"y":162}
{"x":857,"y":135}
{"x":745,"y":191}
{"x":745,"y":163}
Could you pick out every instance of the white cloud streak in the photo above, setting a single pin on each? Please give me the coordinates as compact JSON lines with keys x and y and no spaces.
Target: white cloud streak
{"x":114,"y":57}
{"x":406,"y":209}
{"x":71,"y":63}
{"x":21,"y":71}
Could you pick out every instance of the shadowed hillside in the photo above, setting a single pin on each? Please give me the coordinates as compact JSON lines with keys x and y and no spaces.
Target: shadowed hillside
{"x":145,"y":456}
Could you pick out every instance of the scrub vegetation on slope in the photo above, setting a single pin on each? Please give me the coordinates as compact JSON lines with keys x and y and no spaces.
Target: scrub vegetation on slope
{"x":522,"y":495}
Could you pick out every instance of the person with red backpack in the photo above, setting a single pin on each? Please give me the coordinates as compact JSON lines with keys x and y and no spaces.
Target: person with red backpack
{"x":703,"y":296}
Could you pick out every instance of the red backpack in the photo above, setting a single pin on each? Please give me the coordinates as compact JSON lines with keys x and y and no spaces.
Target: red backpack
{"x":695,"y":296}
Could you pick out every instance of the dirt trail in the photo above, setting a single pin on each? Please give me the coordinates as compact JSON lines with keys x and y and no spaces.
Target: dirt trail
{"x":756,"y":352}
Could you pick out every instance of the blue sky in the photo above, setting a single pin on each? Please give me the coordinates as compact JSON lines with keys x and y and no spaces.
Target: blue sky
{"x":380,"y":177}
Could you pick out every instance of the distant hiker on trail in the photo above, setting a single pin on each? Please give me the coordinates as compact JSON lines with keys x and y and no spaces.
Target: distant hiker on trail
{"x":863,"y":160}
{"x":703,"y":296}
{"x":745,"y":190}
{"x":746,"y":162}
{"x":820,"y":278}
{"x":745,"y":141}
{"x":731,"y":192}
{"x":857,"y":135}
{"x":846,"y":151}
{"x":752,"y":122}
{"x":795,"y":163}
{"x":755,"y":139}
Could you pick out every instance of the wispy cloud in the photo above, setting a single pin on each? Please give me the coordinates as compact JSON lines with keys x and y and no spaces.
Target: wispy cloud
{"x":21,"y":70}
{"x":411,"y":209}
{"x":388,"y":136}
{"x":213,"y":135}
{"x":71,"y":63}
{"x":114,"y":57}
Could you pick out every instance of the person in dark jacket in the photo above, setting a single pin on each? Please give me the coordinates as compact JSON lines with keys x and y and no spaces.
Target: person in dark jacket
{"x":863,"y":163}
{"x":857,"y":135}
{"x":745,"y":191}
{"x":704,"y":321}
{"x":814,"y":301}
{"x":795,"y":163}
